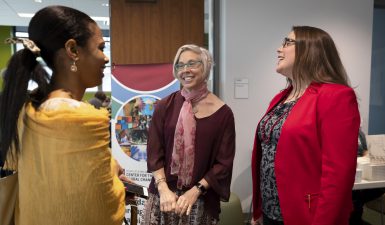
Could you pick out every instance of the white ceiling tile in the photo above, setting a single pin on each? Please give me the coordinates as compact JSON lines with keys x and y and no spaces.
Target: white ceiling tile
{"x":10,"y":8}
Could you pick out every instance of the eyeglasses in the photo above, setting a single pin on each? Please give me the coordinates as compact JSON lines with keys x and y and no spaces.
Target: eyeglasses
{"x":192,"y":64}
{"x":287,"y":42}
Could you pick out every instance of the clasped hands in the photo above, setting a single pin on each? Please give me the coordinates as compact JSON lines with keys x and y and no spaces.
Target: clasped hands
{"x":170,"y":202}
{"x":258,"y":221}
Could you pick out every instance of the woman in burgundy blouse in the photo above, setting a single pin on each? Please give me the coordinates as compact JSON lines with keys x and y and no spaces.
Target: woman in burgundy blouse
{"x":190,"y":148}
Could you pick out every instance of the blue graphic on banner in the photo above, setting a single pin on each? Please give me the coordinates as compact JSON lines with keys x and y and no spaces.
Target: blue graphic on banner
{"x":131,"y":115}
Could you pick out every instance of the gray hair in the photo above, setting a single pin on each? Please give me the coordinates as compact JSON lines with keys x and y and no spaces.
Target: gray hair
{"x":206,"y":58}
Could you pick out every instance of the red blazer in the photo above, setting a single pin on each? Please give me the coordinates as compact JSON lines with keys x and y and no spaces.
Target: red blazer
{"x":316,"y":157}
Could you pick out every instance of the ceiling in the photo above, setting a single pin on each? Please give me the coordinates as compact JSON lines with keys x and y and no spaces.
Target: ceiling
{"x":9,"y":10}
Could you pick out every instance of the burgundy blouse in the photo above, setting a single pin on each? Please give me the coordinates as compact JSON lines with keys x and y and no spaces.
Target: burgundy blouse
{"x":214,"y":149}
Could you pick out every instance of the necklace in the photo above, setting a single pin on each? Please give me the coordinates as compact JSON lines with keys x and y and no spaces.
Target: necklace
{"x":61,"y":93}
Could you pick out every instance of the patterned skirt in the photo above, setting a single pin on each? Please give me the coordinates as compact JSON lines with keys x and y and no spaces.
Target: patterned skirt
{"x":153,"y":216}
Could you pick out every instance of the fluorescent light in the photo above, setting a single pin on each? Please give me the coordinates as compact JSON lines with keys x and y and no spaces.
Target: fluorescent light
{"x":100,"y":18}
{"x":105,"y":20}
{"x":22,"y":34}
{"x":26,"y":15}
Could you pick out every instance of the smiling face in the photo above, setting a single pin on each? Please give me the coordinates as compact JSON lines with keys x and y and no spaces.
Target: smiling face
{"x":190,"y":72}
{"x":93,"y":60}
{"x":286,"y":56}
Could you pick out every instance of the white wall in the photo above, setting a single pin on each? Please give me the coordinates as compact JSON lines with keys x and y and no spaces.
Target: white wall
{"x":252,"y":30}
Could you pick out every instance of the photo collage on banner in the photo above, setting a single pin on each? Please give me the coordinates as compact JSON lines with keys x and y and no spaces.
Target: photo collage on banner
{"x":135,"y":92}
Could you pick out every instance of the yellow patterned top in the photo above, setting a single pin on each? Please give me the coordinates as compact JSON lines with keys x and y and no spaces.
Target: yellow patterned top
{"x":66,"y":172}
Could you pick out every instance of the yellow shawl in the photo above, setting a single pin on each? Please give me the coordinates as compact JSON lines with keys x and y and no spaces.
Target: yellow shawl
{"x":66,"y":172}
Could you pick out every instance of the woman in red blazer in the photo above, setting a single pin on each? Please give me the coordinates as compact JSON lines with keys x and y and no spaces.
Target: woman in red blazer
{"x":304,"y":156}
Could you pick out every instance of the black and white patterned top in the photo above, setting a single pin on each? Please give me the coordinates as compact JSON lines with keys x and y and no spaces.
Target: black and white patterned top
{"x":268,"y":134}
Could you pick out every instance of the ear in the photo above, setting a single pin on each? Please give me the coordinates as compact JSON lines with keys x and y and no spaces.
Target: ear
{"x":71,"y":48}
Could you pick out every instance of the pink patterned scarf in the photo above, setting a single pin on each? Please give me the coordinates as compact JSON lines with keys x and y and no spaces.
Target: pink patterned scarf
{"x":183,"y":153}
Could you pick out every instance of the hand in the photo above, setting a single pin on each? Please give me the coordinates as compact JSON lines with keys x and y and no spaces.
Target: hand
{"x":258,"y":221}
{"x":167,"y":198}
{"x":186,"y":201}
{"x":123,"y":177}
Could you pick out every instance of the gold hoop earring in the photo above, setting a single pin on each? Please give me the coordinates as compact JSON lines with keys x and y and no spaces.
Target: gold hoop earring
{"x":74,"y":68}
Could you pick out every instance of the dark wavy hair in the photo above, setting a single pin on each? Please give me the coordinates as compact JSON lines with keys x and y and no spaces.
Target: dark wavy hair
{"x":50,"y":28}
{"x":316,"y":58}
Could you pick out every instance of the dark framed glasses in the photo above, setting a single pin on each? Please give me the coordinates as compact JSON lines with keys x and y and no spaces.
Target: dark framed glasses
{"x":287,"y":42}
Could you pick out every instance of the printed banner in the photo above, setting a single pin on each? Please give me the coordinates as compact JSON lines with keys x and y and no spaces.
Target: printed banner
{"x":135,"y":90}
